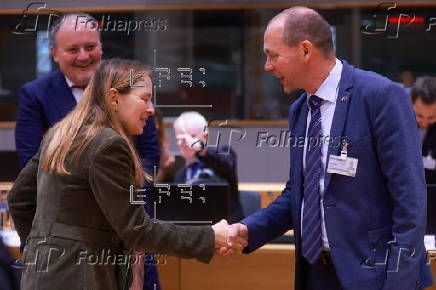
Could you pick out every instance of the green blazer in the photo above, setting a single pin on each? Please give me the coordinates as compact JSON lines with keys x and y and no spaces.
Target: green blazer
{"x":79,"y":225}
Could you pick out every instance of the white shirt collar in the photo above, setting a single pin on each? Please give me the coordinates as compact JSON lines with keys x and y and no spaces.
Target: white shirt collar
{"x":77,"y":92}
{"x":69,"y":83}
{"x":329,"y":87}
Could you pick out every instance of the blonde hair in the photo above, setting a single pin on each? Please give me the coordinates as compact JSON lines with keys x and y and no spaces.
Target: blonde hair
{"x":94,"y":111}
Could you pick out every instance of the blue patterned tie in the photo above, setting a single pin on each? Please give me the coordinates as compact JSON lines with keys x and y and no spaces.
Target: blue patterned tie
{"x":311,"y":234}
{"x":194,"y":167}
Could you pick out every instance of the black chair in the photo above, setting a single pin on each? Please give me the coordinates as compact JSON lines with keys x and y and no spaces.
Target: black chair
{"x":9,"y":277}
{"x":250,"y":202}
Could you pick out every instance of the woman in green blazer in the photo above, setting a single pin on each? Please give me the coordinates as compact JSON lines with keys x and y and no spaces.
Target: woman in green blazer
{"x":80,"y":222}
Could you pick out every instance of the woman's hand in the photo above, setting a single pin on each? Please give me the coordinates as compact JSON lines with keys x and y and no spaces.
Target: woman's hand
{"x":221,"y":230}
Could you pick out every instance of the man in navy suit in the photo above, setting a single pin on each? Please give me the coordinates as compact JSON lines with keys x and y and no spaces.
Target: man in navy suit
{"x":356,"y":196}
{"x":76,"y":48}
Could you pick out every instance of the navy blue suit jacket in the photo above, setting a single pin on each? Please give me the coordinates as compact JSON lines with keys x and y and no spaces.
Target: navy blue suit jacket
{"x":375,"y":222}
{"x":47,"y":100}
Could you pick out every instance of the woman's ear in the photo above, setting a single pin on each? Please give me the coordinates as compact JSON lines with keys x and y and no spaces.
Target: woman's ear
{"x":114,"y":95}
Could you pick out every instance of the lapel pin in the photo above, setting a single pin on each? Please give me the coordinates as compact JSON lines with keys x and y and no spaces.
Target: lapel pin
{"x":344,"y":99}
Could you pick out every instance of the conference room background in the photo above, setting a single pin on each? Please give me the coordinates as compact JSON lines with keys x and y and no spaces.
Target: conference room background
{"x":208,"y":56}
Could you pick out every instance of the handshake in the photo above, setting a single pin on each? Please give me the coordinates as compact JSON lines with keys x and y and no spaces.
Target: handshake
{"x":229,"y":239}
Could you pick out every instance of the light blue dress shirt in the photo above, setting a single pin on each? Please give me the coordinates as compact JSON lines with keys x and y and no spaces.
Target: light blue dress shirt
{"x":328,"y":92}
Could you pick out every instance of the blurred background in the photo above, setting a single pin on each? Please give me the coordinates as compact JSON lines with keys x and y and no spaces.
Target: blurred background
{"x":225,"y":38}
{"x":208,"y":57}
{"x":221,"y":41}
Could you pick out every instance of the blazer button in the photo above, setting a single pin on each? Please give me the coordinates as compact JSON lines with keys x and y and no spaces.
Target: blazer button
{"x":368,"y":262}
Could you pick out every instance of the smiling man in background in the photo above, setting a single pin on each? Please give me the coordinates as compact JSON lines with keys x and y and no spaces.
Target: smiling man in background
{"x":48,"y":99}
{"x":77,"y":49}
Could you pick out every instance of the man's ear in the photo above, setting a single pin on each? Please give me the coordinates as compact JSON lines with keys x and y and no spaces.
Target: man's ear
{"x":306,"y":49}
{"x":54,"y":52}
{"x":114,"y":95}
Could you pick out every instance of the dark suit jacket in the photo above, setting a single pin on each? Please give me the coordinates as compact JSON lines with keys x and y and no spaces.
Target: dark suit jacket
{"x":375,"y":222}
{"x":47,"y":100}
{"x":429,"y":144}
{"x":224,"y":163}
{"x":85,"y":219}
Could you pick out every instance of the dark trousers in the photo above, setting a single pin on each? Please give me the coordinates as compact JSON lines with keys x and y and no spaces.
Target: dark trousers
{"x":151,"y":281}
{"x":320,"y":276}
{"x":9,"y":276}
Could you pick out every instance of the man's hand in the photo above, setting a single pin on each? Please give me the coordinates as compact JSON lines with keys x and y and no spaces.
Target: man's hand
{"x":236,"y":242}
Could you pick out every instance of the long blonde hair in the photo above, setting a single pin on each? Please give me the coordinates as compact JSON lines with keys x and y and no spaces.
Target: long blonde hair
{"x":92,"y":113}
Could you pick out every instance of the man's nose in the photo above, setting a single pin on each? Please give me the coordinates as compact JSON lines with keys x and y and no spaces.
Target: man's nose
{"x":268,"y":66}
{"x":150,"y":109}
{"x":83,"y":54}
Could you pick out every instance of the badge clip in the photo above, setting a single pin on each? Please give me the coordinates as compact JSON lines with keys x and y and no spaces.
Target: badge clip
{"x":344,"y":150}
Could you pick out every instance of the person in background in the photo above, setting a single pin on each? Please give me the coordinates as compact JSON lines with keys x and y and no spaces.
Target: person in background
{"x":77,"y":49}
{"x":423,"y":97}
{"x":71,"y":203}
{"x":167,"y":159}
{"x":210,"y":165}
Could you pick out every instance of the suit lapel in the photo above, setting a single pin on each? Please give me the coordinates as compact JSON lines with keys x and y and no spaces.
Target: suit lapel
{"x":61,"y":95}
{"x":340,"y":116}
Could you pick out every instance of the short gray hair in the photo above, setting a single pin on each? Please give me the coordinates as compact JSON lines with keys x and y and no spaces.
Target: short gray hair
{"x":57,"y":25}
{"x":191,"y":119}
{"x":302,"y":23}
